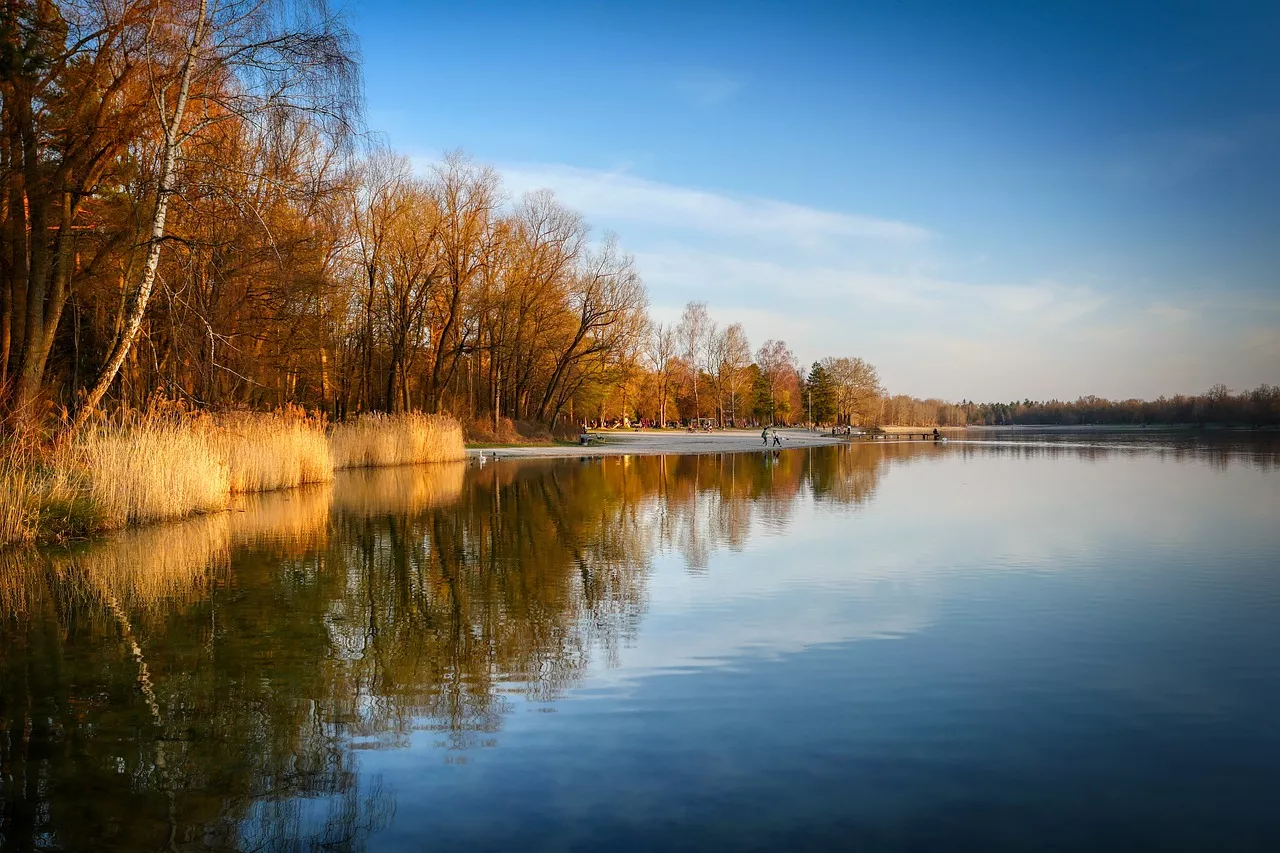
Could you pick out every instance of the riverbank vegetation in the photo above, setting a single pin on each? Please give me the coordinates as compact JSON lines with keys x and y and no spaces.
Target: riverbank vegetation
{"x":166,"y":466}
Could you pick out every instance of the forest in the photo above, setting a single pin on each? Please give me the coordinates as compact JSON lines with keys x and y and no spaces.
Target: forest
{"x":1218,"y":406}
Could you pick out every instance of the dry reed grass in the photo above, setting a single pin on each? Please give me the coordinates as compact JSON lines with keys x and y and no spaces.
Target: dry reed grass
{"x":169,"y":466}
{"x":17,"y":501}
{"x":265,"y":452}
{"x":405,"y":439}
{"x":154,"y":470}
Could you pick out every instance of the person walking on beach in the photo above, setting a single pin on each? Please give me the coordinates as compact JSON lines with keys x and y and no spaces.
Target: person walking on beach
{"x":777,"y":442}
{"x":765,"y":435}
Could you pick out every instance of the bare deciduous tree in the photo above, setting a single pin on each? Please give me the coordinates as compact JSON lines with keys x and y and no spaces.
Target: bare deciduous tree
{"x":694,"y":333}
{"x":661,"y":353}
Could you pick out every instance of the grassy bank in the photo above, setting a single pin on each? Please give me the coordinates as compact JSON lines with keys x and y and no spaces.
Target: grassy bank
{"x":109,"y":477}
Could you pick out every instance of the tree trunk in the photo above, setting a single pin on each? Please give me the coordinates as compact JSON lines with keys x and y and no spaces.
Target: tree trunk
{"x":6,"y":334}
{"x":47,"y":289}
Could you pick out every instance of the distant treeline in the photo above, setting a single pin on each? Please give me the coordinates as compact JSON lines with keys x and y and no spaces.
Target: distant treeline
{"x":1217,"y":406}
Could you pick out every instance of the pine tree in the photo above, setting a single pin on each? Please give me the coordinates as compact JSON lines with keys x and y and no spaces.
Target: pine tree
{"x":820,"y":395}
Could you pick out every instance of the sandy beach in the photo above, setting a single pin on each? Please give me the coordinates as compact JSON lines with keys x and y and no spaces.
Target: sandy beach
{"x":660,"y":442}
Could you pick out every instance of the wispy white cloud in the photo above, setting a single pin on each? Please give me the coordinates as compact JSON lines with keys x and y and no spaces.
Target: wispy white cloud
{"x":623,"y":197}
{"x":1049,"y":302}
{"x":832,"y":282}
{"x":807,"y":286}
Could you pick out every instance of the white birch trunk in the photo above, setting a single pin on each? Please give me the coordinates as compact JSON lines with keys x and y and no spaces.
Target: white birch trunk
{"x":137,"y":309}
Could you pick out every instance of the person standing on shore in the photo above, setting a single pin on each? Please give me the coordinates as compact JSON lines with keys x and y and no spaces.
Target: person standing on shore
{"x":765,"y":435}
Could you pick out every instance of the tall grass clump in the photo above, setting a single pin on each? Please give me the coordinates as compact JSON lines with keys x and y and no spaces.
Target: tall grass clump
{"x":18,"y":499}
{"x":376,"y":440}
{"x":152,"y":470}
{"x":265,"y":452}
{"x":170,"y":464}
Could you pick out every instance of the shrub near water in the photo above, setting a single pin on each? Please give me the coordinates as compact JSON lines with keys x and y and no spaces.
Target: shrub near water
{"x":405,"y":439}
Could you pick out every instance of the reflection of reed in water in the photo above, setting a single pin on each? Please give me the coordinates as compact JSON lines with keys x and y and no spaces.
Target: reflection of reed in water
{"x":22,"y":584}
{"x":150,"y":569}
{"x":403,"y":489}
{"x":290,"y":523}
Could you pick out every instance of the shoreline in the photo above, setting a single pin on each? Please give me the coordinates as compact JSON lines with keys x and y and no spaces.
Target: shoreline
{"x":680,"y":443}
{"x":660,"y":443}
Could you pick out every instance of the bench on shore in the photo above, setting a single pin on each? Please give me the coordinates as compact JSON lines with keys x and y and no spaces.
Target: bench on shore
{"x":587,"y":438}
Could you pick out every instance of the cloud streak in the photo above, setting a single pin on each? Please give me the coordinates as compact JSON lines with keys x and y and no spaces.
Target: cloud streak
{"x":622,"y":197}
{"x":901,"y":295}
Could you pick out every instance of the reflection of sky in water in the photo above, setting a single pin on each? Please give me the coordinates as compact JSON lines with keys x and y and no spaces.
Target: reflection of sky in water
{"x":840,"y":573}
{"x":1048,"y":648}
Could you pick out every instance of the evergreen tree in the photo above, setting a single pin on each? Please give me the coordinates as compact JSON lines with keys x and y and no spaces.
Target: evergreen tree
{"x":820,"y":395}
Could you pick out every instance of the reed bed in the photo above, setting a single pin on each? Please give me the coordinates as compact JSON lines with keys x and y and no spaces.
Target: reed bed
{"x":167,"y":467}
{"x":17,"y":501}
{"x":266,"y":452}
{"x":150,"y":471}
{"x":375,"y":440}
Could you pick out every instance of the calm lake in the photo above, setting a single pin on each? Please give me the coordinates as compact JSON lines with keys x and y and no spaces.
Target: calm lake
{"x":1029,"y":641}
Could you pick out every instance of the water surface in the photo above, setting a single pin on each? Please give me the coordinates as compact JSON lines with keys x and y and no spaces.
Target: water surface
{"x":1048,"y":641}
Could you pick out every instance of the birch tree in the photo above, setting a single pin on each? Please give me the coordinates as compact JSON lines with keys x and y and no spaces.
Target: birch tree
{"x":731,"y":354}
{"x":206,"y":62}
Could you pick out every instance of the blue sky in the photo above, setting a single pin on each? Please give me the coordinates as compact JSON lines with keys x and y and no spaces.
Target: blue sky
{"x":986,"y":200}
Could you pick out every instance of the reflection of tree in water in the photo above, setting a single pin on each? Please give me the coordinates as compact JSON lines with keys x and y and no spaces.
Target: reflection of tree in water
{"x":851,"y":475}
{"x":715,"y":502}
{"x":142,"y":706}
{"x":209,"y":684}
